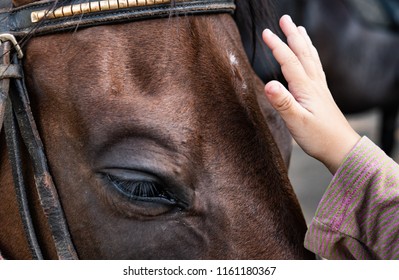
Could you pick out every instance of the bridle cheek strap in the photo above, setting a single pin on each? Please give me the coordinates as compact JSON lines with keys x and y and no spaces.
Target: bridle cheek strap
{"x":8,"y":72}
{"x":19,"y":124}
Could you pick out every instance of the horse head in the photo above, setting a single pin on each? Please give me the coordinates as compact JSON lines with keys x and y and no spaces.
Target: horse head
{"x":159,"y":142}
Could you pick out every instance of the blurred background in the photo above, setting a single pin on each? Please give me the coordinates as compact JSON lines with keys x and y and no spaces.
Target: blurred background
{"x":358,"y":42}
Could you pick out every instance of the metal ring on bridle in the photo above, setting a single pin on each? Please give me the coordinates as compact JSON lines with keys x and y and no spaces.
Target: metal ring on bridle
{"x":11,"y":38}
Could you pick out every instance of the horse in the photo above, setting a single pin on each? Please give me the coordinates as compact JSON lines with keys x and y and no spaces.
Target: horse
{"x":156,"y":134}
{"x":359,"y":54}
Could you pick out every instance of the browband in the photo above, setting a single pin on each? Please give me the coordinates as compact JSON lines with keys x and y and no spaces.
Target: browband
{"x":45,"y":18}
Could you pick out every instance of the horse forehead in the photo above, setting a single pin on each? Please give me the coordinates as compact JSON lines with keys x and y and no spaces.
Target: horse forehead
{"x":160,"y":49}
{"x":148,"y":63}
{"x":151,"y":41}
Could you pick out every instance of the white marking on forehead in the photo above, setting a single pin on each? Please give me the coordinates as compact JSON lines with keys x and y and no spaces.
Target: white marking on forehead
{"x":234,"y":63}
{"x":244,"y":86}
{"x":233,"y":59}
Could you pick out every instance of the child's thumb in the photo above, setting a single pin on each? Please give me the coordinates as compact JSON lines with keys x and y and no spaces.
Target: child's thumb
{"x":283,"y":101}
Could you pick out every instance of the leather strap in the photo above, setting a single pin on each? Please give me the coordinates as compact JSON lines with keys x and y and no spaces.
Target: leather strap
{"x":10,"y":71}
{"x":19,"y":23}
{"x":5,"y":49}
{"x":14,"y":145}
{"x":45,"y":187}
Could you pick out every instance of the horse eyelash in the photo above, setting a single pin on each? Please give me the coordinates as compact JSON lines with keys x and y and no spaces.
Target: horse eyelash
{"x":139,"y":189}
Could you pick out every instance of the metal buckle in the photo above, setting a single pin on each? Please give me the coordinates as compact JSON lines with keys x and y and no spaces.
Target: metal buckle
{"x":6,"y":37}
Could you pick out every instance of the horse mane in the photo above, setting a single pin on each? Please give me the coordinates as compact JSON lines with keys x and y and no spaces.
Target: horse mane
{"x":252,"y":17}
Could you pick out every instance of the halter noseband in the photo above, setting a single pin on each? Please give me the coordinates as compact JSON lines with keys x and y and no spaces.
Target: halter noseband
{"x":42,"y":18}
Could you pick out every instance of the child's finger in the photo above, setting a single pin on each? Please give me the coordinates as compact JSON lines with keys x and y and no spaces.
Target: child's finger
{"x":283,"y":102}
{"x":291,"y":67}
{"x":299,"y":45}
{"x":313,"y":50}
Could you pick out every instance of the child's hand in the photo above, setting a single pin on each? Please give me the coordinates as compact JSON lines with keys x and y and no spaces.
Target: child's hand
{"x":308,"y":109}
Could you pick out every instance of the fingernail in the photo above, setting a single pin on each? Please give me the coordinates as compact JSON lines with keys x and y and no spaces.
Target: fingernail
{"x":268,"y":31}
{"x":289,"y":18}
{"x":274,"y":88}
{"x":303,"y":29}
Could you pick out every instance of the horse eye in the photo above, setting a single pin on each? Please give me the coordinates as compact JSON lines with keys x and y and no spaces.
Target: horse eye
{"x":142,"y":190}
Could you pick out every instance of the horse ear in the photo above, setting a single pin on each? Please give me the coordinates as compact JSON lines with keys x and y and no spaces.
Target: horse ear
{"x":18,"y":3}
{"x":252,"y":17}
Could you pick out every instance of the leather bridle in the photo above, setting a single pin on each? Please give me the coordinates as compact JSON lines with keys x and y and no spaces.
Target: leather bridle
{"x":40,"y":18}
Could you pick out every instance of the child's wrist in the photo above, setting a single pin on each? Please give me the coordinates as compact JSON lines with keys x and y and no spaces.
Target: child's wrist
{"x":340,"y":150}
